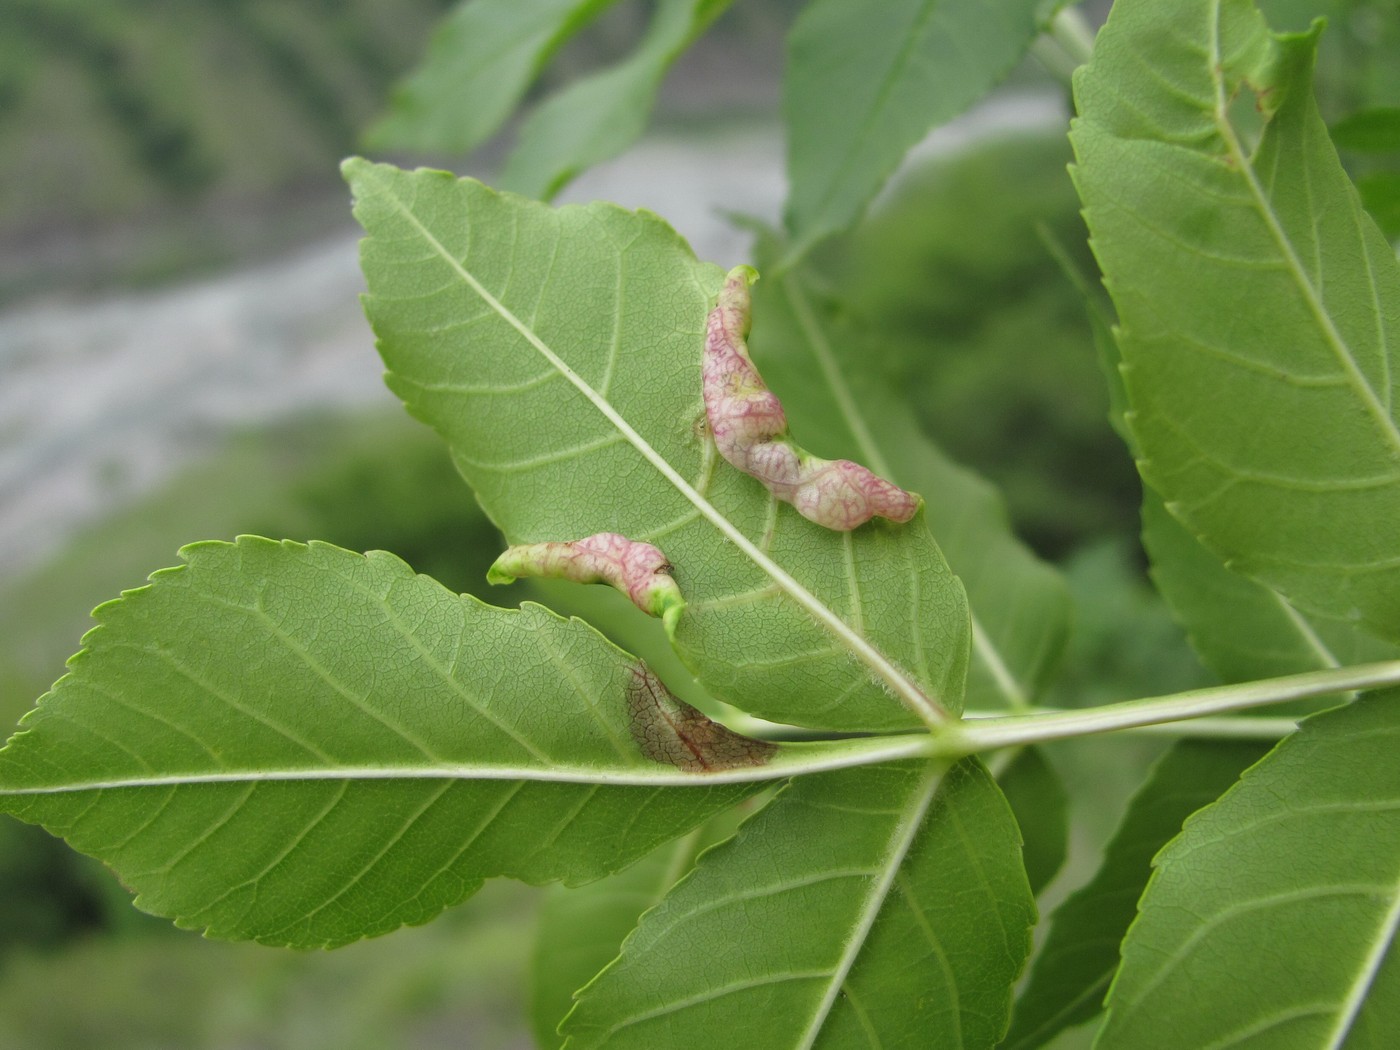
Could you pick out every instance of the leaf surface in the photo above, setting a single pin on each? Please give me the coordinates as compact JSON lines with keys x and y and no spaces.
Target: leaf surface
{"x":1271,"y":920}
{"x":834,"y":391}
{"x":880,"y":907}
{"x":1072,"y":971}
{"x":558,"y":352}
{"x":581,"y":929}
{"x":599,"y":116}
{"x":1259,"y":304}
{"x":867,"y":79}
{"x":480,"y":61}
{"x":306,"y":746}
{"x":1037,"y":797}
{"x":1242,"y":629}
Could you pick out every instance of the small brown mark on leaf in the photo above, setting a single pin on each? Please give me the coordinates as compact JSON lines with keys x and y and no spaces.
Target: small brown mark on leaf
{"x":670,"y":731}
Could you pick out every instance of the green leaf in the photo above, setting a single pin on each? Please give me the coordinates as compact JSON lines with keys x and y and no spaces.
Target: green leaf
{"x":1257,"y":302}
{"x":558,"y":353}
{"x":599,"y":116}
{"x":1038,"y":800}
{"x":867,"y":79}
{"x":480,"y":61}
{"x":876,"y":907}
{"x":1271,"y":920}
{"x":834,"y":392}
{"x":581,"y":929}
{"x":305,"y":746}
{"x":1073,"y":969}
{"x":1241,"y":629}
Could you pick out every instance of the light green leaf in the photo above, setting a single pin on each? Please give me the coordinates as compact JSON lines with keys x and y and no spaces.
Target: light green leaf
{"x":1073,"y":969}
{"x":1271,"y":920}
{"x":480,"y":61}
{"x":879,"y":907}
{"x":834,"y":391}
{"x":305,"y":746}
{"x":558,"y":352}
{"x":1257,"y":302}
{"x":601,"y":115}
{"x":867,"y":79}
{"x":1242,"y":629}
{"x":1037,"y":798}
{"x":581,"y":929}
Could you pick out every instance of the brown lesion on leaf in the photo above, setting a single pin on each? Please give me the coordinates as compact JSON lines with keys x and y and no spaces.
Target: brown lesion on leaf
{"x":670,"y":731}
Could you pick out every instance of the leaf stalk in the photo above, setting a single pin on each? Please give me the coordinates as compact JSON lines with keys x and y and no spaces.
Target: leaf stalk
{"x":987,"y":734}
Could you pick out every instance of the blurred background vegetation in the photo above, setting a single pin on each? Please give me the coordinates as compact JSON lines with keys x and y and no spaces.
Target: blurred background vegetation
{"x":145,"y":142}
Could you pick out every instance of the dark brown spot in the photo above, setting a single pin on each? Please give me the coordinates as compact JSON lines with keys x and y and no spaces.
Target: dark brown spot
{"x":670,"y":731}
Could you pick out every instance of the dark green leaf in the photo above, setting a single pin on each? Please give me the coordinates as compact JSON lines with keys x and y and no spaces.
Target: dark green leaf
{"x":1271,"y":920}
{"x":1369,"y":131}
{"x":1072,"y":971}
{"x":1380,"y":192}
{"x":1038,"y":799}
{"x":876,"y":907}
{"x":582,"y":928}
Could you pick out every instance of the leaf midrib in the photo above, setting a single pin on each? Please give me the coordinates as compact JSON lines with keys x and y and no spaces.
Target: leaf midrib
{"x":1356,"y":994}
{"x":795,"y":759}
{"x":926,"y":707}
{"x":982,"y":645}
{"x":900,"y":842}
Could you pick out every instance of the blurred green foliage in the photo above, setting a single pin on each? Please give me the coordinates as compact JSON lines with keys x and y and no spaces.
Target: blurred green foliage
{"x":989,"y":335}
{"x":452,"y":983}
{"x":186,"y":133}
{"x":115,"y":106}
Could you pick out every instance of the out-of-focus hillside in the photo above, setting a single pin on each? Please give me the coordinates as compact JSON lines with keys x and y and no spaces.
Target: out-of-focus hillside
{"x":117,"y":116}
